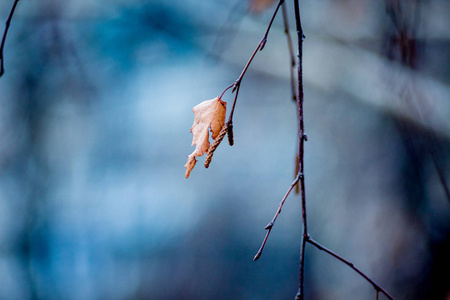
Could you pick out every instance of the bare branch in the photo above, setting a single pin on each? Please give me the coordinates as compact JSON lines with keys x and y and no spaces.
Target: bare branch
{"x":302,"y":138}
{"x":271,"y":223}
{"x":301,"y":142}
{"x":375,"y":285}
{"x":8,"y":22}
{"x":262,"y":43}
{"x":297,"y":94}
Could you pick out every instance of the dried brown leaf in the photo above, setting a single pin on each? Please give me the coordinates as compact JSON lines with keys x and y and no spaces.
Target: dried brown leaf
{"x":208,"y":115}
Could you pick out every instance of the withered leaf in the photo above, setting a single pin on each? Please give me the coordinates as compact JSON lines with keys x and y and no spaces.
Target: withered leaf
{"x":208,"y":115}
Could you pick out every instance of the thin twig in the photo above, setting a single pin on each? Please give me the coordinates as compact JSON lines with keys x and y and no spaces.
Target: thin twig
{"x":225,"y":91}
{"x":291,"y":51}
{"x":262,"y":43}
{"x":270,"y":225}
{"x":230,"y":118}
{"x":237,"y":84}
{"x":8,"y":22}
{"x":375,"y":286}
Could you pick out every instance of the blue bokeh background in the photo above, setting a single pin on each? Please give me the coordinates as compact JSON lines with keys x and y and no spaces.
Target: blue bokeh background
{"x":95,"y":113}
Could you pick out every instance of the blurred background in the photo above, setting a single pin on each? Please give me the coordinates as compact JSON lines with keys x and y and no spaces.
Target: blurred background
{"x":95,"y":114}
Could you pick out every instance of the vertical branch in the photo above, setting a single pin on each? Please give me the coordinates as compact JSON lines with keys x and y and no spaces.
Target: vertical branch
{"x":8,"y":22}
{"x":301,"y":141}
{"x":302,"y":138}
{"x":291,"y":51}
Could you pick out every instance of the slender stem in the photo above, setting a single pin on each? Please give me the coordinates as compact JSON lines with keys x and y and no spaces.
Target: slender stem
{"x":270,"y":225}
{"x":230,"y":118}
{"x":291,"y":51}
{"x":301,"y":139}
{"x":262,"y":43}
{"x":375,"y":286}
{"x":226,"y":90}
{"x":260,"y":46}
{"x":8,"y":22}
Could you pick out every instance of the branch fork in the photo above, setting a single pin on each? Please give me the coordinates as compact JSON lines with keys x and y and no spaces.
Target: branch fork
{"x":300,"y":178}
{"x":299,"y":181}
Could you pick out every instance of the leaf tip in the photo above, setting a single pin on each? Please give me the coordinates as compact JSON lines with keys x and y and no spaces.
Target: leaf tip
{"x":189,"y":165}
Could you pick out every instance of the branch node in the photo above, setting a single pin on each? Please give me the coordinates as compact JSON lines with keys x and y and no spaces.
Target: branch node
{"x":269,"y":226}
{"x":305,"y":137}
{"x":235,"y":85}
{"x":263,"y":43}
{"x":257,"y":256}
